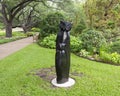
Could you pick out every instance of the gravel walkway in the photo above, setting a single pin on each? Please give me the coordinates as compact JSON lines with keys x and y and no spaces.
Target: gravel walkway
{"x":9,"y":48}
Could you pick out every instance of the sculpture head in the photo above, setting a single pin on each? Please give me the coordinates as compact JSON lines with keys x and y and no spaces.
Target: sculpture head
{"x":65,"y":26}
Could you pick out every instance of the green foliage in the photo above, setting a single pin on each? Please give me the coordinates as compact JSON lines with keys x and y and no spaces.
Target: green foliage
{"x":92,"y":40}
{"x":110,"y":57}
{"x":35,"y":29}
{"x":115,"y":47}
{"x":49,"y":42}
{"x":111,"y":24}
{"x":84,"y":53}
{"x":98,"y":16}
{"x":107,"y":33}
{"x":50,"y":24}
{"x":75,"y":44}
{"x":79,"y":28}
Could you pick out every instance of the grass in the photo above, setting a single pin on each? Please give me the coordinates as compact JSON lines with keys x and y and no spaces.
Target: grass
{"x":1,"y":25}
{"x":15,"y":36}
{"x":17,"y":79}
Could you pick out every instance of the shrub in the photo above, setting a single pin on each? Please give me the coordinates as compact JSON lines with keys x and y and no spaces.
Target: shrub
{"x":79,"y":28}
{"x":49,"y":42}
{"x":75,"y":44}
{"x":50,"y":24}
{"x":115,"y":47}
{"x":111,"y":24}
{"x":92,"y":40}
{"x":110,"y":57}
{"x":107,"y":33}
{"x":84,"y":53}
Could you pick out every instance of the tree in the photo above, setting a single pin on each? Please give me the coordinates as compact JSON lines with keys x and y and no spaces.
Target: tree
{"x":50,"y":23}
{"x":100,"y":13}
{"x":27,"y":17}
{"x":9,"y":10}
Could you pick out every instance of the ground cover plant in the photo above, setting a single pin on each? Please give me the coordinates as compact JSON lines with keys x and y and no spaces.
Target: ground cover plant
{"x":18,"y":75}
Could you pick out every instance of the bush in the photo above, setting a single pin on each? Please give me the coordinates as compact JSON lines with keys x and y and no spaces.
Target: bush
{"x":92,"y":40}
{"x":115,"y":47}
{"x":49,"y":42}
{"x":79,"y":28}
{"x":84,"y":53}
{"x":107,"y":33}
{"x":75,"y":44}
{"x":110,"y":57}
{"x":50,"y":24}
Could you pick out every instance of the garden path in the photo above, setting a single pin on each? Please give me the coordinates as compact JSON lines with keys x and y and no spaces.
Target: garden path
{"x":9,"y":48}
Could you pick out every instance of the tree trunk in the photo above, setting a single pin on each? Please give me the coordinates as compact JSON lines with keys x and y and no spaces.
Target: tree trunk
{"x":26,"y":28}
{"x":9,"y":29}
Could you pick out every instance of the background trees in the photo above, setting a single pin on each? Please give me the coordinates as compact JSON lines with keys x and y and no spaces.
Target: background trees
{"x":10,"y":8}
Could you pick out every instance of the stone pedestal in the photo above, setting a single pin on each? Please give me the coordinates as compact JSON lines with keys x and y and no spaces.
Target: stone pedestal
{"x":70,"y":83}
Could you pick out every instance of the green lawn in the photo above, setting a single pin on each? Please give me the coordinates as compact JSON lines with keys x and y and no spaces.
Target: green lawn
{"x":17,"y":75}
{"x":15,"y":36}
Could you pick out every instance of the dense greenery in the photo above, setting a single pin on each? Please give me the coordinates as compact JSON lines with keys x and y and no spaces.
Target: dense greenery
{"x":113,"y":58}
{"x":49,"y":42}
{"x":90,"y":44}
{"x":23,"y":12}
{"x":19,"y":77}
{"x":50,"y":24}
{"x":92,"y":40}
{"x":115,"y":47}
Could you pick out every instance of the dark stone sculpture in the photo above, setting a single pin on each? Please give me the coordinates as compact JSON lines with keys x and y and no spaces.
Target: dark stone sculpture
{"x":62,"y":58}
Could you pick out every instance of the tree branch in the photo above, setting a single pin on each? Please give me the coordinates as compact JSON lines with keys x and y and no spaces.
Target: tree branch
{"x":20,"y":7}
{"x":108,"y":7}
{"x":17,"y":6}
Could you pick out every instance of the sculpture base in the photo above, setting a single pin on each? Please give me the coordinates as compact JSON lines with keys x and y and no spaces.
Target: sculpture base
{"x":69,"y":83}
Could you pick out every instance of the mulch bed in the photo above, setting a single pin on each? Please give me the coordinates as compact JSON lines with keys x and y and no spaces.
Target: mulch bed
{"x":49,"y":73}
